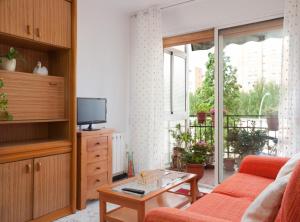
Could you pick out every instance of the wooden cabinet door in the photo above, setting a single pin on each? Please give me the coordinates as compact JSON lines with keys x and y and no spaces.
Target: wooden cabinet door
{"x":16,"y":17}
{"x":51,"y":184}
{"x":34,"y":97}
{"x":16,"y":183}
{"x":52,"y":21}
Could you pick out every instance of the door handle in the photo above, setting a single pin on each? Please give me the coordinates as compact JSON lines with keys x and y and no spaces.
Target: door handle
{"x":52,"y":83}
{"x":38,"y":34}
{"x":28,"y":168}
{"x":28,"y":29}
{"x":38,"y":166}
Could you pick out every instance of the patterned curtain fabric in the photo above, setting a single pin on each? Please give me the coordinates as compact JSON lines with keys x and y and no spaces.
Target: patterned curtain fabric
{"x":146,"y":90}
{"x":289,"y":110}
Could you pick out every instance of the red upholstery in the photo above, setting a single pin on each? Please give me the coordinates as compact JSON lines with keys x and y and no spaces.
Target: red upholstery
{"x":221,"y":206}
{"x":262,"y":166}
{"x":229,"y":200}
{"x":290,"y":206}
{"x":250,"y":186}
{"x":175,"y":215}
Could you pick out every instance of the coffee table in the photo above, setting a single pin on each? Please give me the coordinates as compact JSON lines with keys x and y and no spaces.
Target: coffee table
{"x":132,"y":207}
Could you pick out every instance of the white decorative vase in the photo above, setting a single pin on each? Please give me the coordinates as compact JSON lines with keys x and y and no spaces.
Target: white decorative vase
{"x":9,"y":65}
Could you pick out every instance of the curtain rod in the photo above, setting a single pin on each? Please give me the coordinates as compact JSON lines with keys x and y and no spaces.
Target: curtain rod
{"x":170,"y":6}
{"x":177,"y":4}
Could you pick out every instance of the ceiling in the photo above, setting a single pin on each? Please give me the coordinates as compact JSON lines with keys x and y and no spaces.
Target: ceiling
{"x":131,"y":6}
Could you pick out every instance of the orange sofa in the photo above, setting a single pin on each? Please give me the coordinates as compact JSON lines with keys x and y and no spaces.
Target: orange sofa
{"x":229,"y":200}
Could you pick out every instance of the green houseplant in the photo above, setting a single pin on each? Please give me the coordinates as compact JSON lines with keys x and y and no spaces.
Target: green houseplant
{"x":4,"y":114}
{"x":9,"y":60}
{"x":196,"y":157}
{"x":247,"y":141}
{"x":183,"y":139}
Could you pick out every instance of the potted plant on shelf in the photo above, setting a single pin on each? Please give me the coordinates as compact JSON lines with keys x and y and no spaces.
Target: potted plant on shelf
{"x":247,"y":141}
{"x":4,"y":114}
{"x":183,"y":139}
{"x":202,"y":110}
{"x":196,"y":157}
{"x":272,"y":119}
{"x":8,"y":61}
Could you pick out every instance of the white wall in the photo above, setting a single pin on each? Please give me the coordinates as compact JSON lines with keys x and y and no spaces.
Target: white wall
{"x":103,"y":42}
{"x":102,"y":62}
{"x":204,"y":14}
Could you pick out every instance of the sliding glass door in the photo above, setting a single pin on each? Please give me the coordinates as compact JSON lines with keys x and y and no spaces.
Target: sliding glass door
{"x":249,"y":72}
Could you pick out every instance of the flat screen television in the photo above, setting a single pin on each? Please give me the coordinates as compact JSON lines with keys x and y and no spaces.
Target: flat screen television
{"x":91,"y":111}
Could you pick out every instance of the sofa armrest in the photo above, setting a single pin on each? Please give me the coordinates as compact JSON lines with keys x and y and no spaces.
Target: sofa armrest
{"x":172,"y":214}
{"x":263,"y":166}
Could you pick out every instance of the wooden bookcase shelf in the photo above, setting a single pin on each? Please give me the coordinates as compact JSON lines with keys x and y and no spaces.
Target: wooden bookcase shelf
{"x":38,"y":147}
{"x":33,"y":121}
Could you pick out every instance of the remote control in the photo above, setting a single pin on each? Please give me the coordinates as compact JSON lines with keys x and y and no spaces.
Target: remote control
{"x":131,"y":190}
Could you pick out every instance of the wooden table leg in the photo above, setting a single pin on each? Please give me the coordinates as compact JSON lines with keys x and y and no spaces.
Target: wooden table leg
{"x":194,"y":189}
{"x":102,"y":211}
{"x":141,"y":212}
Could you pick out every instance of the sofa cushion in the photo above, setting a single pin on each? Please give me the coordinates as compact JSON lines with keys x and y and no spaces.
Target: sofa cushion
{"x":221,"y":206}
{"x":289,"y":166}
{"x":266,"y":205}
{"x":243,"y":185}
{"x":262,"y":166}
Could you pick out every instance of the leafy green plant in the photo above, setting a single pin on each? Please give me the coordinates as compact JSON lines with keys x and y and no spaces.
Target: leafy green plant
{"x":12,"y":54}
{"x":183,"y":138}
{"x":205,"y":95}
{"x":198,"y":153}
{"x":4,"y":114}
{"x":246,"y":142}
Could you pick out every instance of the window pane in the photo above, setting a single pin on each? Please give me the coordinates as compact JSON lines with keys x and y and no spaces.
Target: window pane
{"x":179,"y":85}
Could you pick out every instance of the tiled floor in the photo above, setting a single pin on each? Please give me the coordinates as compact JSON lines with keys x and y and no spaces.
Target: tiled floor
{"x":91,"y":213}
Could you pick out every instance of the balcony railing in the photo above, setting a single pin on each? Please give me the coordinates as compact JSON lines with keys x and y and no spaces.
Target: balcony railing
{"x":205,"y":131}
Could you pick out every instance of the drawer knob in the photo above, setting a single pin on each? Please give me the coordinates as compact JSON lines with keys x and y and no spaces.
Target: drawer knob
{"x":52,"y":83}
{"x":98,"y":180}
{"x":97,"y":155}
{"x":98,"y":143}
{"x":98,"y":168}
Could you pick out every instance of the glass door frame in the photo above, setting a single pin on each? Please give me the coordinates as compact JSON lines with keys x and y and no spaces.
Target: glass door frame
{"x":219,"y":84}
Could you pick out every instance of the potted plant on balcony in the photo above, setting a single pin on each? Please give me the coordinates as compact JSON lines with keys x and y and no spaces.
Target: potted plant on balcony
{"x":202,"y":110}
{"x":183,"y":139}
{"x":272,"y":119}
{"x":196,"y":157}
{"x":247,"y":141}
{"x":212,"y":114}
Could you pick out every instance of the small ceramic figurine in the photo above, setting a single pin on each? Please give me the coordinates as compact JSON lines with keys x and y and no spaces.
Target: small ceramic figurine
{"x":41,"y":70}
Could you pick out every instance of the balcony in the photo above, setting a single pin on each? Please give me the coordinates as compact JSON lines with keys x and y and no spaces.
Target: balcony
{"x":243,"y":135}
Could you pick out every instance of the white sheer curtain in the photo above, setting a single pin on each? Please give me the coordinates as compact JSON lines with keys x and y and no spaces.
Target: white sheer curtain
{"x":289,"y":110}
{"x":146,"y":90}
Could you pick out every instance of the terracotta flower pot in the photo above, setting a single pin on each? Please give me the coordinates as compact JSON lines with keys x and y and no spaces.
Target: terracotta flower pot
{"x":197,"y":169}
{"x":201,"y":116}
{"x":272,"y":123}
{"x":229,"y":164}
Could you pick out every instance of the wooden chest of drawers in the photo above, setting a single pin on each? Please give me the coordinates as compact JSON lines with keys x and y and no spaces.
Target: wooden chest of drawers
{"x":94,"y":163}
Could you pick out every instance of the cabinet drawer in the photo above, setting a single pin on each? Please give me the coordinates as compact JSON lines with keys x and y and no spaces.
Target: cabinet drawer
{"x":97,"y":156}
{"x":93,"y":182}
{"x":33,"y":97}
{"x":97,"y":143}
{"x":97,"y":168}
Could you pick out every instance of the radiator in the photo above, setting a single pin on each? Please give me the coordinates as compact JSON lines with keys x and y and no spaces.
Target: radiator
{"x":118,"y":154}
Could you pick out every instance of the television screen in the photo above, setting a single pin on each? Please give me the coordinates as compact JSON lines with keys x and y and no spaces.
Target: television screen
{"x":91,"y":110}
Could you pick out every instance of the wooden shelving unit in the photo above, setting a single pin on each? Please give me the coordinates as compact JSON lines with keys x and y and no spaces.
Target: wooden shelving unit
{"x":39,"y":144}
